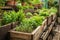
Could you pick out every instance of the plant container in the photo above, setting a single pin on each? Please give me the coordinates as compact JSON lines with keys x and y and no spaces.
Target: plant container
{"x":5,"y":28}
{"x":34,"y":35}
{"x":4,"y":31}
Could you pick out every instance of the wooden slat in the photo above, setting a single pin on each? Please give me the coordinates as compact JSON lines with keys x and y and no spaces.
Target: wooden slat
{"x":45,"y":34}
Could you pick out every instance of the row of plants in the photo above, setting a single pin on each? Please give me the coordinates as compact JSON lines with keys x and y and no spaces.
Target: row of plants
{"x":29,"y":18}
{"x":36,"y":20}
{"x":29,"y":1}
{"x":28,"y":22}
{"x":11,"y":16}
{"x":32,"y":25}
{"x":29,"y":4}
{"x":44,"y":13}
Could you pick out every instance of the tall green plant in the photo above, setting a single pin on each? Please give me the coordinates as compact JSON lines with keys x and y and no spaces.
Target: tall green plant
{"x":6,"y":18}
{"x":9,"y":17}
{"x":21,"y":15}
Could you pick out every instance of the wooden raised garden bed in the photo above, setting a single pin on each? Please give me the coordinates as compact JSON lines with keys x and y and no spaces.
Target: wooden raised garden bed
{"x":15,"y":35}
{"x":5,"y":28}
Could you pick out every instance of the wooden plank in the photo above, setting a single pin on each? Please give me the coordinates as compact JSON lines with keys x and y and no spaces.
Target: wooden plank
{"x":54,"y":15}
{"x":6,"y":8}
{"x":45,"y":34}
{"x":49,"y":20}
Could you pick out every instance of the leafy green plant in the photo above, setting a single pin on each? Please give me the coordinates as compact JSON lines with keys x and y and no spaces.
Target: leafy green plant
{"x":10,"y":16}
{"x":6,"y":18}
{"x":25,"y":7}
{"x":24,"y":26}
{"x":36,"y":1}
{"x":36,"y":21}
{"x":28,"y":25}
{"x":44,"y":12}
{"x":21,"y":15}
{"x":14,"y":16}
{"x":53,"y":9}
{"x":29,"y":14}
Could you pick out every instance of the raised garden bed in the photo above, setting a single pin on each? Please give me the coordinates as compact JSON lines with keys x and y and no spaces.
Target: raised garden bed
{"x":5,"y":28}
{"x":15,"y":35}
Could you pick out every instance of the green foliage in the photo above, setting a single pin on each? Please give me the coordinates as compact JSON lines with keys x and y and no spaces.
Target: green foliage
{"x":53,"y":9}
{"x":25,"y":7}
{"x":29,"y":14}
{"x":2,"y":2}
{"x":28,"y":25}
{"x":44,"y":12}
{"x":36,"y":1}
{"x":36,"y":21}
{"x":21,"y":15}
{"x":6,"y":18}
{"x":24,"y":26}
{"x":53,"y":3}
{"x":12,"y":16}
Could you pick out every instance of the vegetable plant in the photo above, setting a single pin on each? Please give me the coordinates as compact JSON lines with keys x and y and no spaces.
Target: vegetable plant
{"x":29,"y":24}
